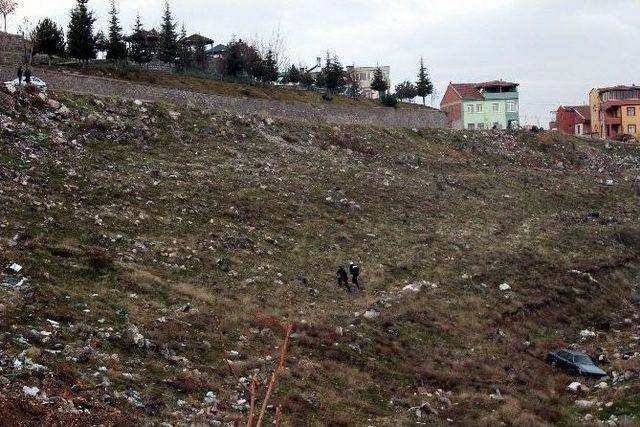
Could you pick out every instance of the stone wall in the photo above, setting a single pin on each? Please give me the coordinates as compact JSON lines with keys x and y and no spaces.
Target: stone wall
{"x":11,"y":48}
{"x":343,"y":115}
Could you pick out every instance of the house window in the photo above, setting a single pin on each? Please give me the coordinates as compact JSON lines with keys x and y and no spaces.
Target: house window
{"x":496,"y":107}
{"x":512,"y":107}
{"x":480,"y":126}
{"x":469,"y":108}
{"x":471,"y":126}
{"x":631,"y":111}
{"x":478,"y":108}
{"x":631,"y":129}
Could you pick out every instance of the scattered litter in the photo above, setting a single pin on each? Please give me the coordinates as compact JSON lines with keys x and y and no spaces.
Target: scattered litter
{"x":577,"y":387}
{"x":505,"y":287}
{"x":30,"y":391}
{"x":587,"y":334}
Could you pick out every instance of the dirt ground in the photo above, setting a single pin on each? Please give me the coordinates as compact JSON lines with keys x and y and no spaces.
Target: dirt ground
{"x":164,"y":251}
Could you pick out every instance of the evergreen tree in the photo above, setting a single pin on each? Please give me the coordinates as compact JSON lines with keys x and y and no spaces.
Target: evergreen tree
{"x":424,"y":85}
{"x":116,"y":49}
{"x":81,"y":43}
{"x":168,"y":46}
{"x":306,"y":79}
{"x":102,"y":43}
{"x":140,"y":51}
{"x":336,"y":76}
{"x":234,"y":60}
{"x":48,"y":38}
{"x":406,"y":90}
{"x":379,"y":83}
{"x":185,"y":56}
{"x":270,"y":74}
{"x":294,"y":75}
{"x":253,"y":64}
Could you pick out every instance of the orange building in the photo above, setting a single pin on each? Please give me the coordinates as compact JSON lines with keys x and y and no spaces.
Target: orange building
{"x":615,"y":112}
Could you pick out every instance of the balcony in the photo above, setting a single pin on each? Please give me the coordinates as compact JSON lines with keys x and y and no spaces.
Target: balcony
{"x":500,"y":95}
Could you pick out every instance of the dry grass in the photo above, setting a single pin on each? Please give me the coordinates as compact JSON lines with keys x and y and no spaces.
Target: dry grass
{"x":206,"y":229}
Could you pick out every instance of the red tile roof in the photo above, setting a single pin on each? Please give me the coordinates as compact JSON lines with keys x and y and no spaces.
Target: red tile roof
{"x":584,"y":111}
{"x":472,"y":90}
{"x":619,"y":87}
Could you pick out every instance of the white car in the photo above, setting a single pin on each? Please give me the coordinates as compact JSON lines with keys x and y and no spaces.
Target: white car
{"x":35,"y":81}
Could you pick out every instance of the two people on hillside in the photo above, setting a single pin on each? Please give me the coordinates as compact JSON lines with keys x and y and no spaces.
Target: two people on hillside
{"x":343,"y":277}
{"x":24,"y":73}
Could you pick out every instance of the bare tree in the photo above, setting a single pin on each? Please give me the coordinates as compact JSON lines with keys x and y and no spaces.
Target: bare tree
{"x":7,"y":7}
{"x":277,"y":44}
{"x":28,"y":32}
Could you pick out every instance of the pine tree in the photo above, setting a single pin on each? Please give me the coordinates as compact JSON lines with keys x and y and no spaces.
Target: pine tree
{"x":253,"y":64}
{"x":270,"y":74}
{"x":81,"y":43}
{"x":379,"y":83}
{"x":48,"y":39}
{"x":102,"y":43}
{"x":336,"y":76}
{"x":306,"y":79}
{"x":116,"y":49}
{"x":293,"y":75}
{"x":406,"y":90}
{"x":185,"y":56}
{"x":234,"y":60}
{"x":424,"y":85}
{"x":140,"y":52}
{"x":168,"y":46}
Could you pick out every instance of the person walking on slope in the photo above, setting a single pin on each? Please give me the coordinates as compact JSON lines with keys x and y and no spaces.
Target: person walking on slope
{"x":20,"y":75}
{"x":27,"y":75}
{"x":343,"y":278}
{"x":354,"y":269}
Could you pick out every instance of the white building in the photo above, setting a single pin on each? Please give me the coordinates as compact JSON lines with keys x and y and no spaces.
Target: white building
{"x":364,"y":77}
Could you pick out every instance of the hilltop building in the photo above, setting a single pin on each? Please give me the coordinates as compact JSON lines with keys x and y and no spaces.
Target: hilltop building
{"x":364,"y":77}
{"x":488,"y":105}
{"x":574,"y":120}
{"x":615,"y":111}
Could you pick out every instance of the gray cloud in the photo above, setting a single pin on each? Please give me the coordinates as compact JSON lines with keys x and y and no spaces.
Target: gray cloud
{"x":557,"y":50}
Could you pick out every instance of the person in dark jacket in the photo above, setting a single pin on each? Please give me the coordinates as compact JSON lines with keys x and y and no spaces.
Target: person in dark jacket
{"x":27,"y":75}
{"x":354,"y":269}
{"x":343,"y":278}
{"x":20,"y":75}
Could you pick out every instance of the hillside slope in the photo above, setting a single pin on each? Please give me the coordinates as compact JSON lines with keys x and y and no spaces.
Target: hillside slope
{"x":165,"y":250}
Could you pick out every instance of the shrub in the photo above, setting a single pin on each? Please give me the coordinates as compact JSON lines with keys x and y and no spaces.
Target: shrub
{"x":389,"y":101}
{"x":327,"y":97}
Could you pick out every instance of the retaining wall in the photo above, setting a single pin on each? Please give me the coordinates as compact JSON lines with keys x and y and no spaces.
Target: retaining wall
{"x":373,"y":116}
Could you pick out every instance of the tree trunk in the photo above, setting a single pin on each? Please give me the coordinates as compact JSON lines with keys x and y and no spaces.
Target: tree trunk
{"x":5,"y":22}
{"x":424,"y":101}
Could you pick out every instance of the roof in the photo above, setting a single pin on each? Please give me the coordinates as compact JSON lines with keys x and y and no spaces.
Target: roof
{"x":196,"y":39}
{"x":472,"y":90}
{"x":221,"y":48}
{"x":583,"y":111}
{"x":147,"y":35}
{"x":619,"y":87}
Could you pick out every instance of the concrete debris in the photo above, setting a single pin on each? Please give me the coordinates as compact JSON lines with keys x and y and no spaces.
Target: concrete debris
{"x":371,"y":314}
{"x":505,"y":287}
{"x":31,"y":391}
{"x":587,"y":334}
{"x":577,"y":387}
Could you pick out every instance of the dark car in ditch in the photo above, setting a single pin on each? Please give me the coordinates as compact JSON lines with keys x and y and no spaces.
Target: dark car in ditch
{"x":575,"y":363}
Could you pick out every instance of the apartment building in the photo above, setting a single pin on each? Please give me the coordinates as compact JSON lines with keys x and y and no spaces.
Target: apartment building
{"x":364,"y":77}
{"x":615,"y":112}
{"x":478,"y":106}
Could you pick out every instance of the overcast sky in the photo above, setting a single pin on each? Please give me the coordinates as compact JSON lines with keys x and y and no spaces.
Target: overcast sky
{"x":556,"y":49}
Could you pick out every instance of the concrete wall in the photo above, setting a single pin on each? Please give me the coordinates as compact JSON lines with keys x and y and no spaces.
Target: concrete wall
{"x":372,"y":116}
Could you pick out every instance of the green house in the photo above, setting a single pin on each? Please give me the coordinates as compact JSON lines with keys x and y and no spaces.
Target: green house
{"x":478,"y":106}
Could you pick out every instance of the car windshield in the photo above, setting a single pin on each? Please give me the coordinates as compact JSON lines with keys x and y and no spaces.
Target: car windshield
{"x":583,"y":360}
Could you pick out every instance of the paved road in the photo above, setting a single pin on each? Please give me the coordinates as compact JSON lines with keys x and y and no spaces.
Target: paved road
{"x":374,"y":116}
